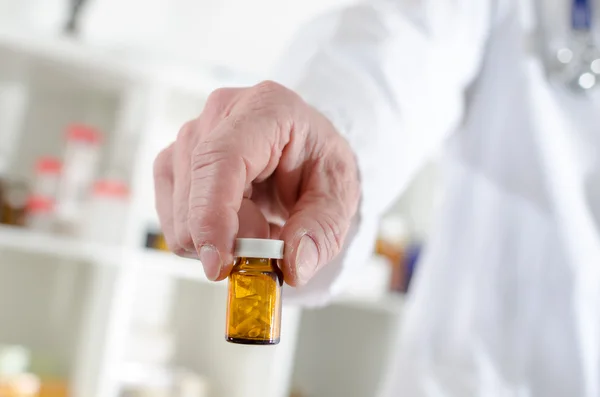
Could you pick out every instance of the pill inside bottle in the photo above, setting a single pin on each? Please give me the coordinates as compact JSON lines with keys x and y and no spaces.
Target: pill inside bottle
{"x":254,"y":297}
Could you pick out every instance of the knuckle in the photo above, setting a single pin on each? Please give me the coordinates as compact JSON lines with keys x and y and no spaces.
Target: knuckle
{"x":219,"y":104}
{"x":334,"y":234}
{"x":270,"y":102}
{"x":269,"y":94}
{"x":268,"y":87}
{"x":185,"y":133}
{"x":218,"y":97}
{"x":162,"y":161}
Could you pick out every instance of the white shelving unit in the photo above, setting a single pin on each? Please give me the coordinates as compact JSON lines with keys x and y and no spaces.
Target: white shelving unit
{"x":35,"y":243}
{"x":140,"y":103}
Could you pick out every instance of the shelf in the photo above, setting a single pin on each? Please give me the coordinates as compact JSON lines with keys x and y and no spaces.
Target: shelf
{"x":172,"y":265}
{"x":113,"y":67}
{"x":166,"y":263}
{"x":64,"y":50}
{"x":19,"y":239}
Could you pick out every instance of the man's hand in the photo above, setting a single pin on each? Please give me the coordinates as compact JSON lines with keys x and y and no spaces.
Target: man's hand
{"x":258,"y":162}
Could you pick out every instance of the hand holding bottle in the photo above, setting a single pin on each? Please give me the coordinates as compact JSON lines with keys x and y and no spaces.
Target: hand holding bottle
{"x":257,"y":162}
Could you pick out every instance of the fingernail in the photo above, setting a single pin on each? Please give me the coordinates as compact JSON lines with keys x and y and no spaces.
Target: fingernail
{"x":307,"y":259}
{"x":211,"y":260}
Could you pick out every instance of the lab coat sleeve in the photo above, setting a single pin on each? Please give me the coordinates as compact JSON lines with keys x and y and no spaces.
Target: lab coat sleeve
{"x":391,"y":76}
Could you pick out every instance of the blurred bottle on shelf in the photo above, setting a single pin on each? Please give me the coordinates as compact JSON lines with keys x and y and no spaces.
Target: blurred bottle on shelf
{"x":391,"y":241}
{"x":15,"y":381}
{"x":78,"y":174}
{"x":106,"y":212}
{"x":13,"y":202}
{"x":156,"y":240}
{"x":14,"y":96}
{"x":47,"y":177}
{"x":402,"y":250}
{"x":40,"y":214}
{"x":41,"y":204}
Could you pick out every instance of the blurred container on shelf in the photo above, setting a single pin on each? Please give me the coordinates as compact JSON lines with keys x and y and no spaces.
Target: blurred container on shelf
{"x":15,"y":381}
{"x":78,"y":174}
{"x":47,"y":177}
{"x":156,"y":240}
{"x":41,"y":204}
{"x":14,"y":202}
{"x":14,"y":96}
{"x":40,"y":214}
{"x":106,"y":212}
{"x":401,"y":249}
{"x":391,"y":242}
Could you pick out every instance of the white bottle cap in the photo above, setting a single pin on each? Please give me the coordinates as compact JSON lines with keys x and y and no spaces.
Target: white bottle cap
{"x":258,"y":248}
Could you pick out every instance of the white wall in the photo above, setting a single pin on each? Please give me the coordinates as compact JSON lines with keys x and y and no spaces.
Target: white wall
{"x":242,"y":34}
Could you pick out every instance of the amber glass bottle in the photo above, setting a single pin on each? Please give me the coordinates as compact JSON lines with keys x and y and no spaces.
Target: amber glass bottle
{"x":254,"y":301}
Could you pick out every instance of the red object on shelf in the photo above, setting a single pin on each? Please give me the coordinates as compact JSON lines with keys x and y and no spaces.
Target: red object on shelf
{"x":84,"y":133}
{"x":38,"y":204}
{"x":111,"y":188}
{"x":48,"y":165}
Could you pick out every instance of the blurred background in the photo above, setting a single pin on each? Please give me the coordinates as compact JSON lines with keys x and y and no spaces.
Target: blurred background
{"x":91,"y":302}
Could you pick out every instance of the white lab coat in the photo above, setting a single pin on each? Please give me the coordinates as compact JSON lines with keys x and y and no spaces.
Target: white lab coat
{"x":507,"y":299}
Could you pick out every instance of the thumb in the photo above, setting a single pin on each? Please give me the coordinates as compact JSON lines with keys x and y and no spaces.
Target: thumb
{"x":314,"y":235}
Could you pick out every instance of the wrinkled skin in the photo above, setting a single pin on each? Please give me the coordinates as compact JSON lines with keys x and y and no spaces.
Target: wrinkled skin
{"x":258,"y":162}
